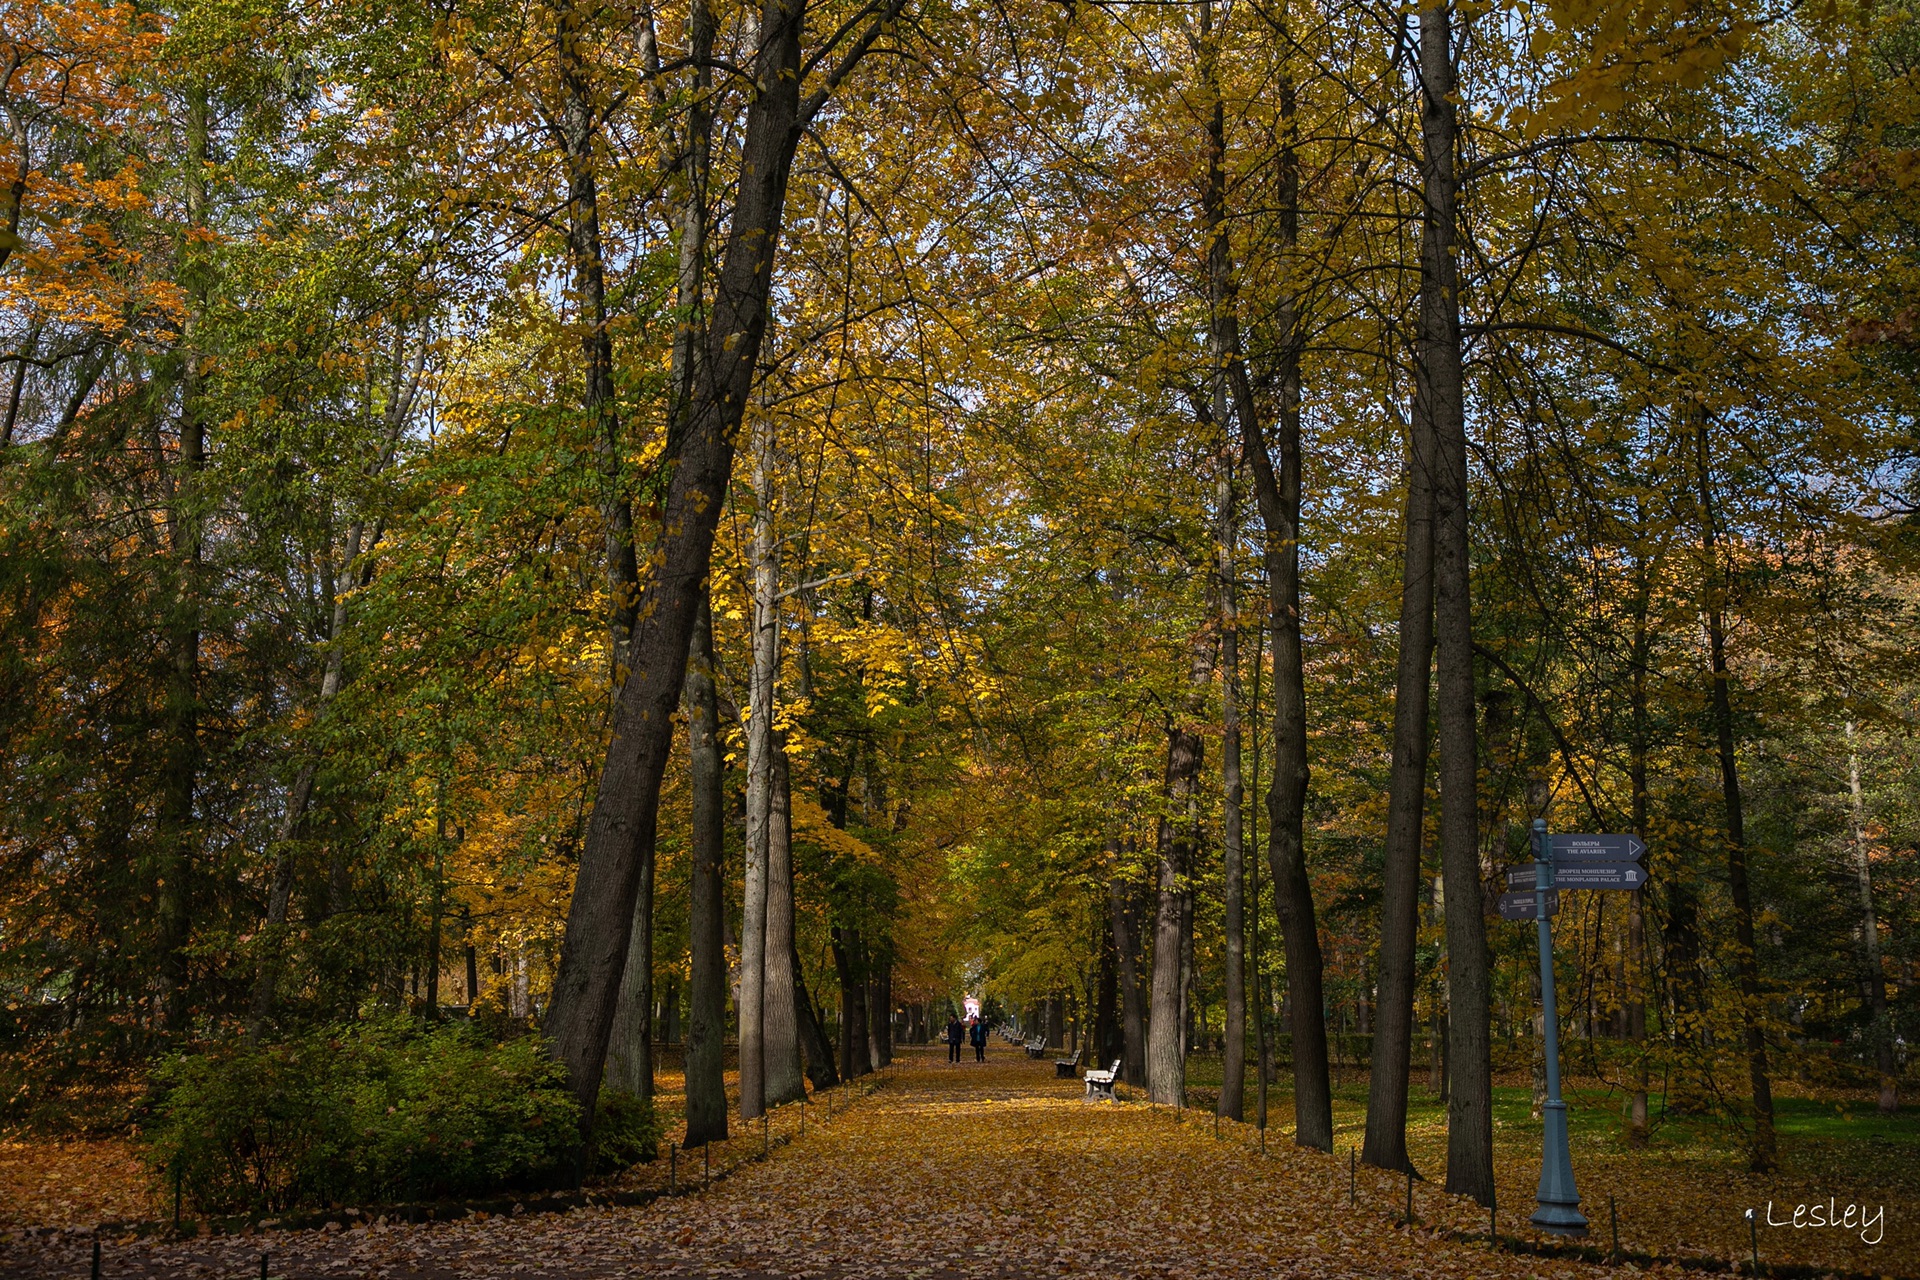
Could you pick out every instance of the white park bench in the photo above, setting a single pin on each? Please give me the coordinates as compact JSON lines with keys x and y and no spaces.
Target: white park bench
{"x":1036,"y":1046}
{"x":1064,"y":1068}
{"x":1100,"y":1083}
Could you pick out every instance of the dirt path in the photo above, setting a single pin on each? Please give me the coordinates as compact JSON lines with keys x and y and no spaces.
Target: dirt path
{"x":946,"y":1172}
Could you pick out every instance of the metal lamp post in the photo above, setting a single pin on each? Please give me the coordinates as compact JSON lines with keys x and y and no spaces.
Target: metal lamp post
{"x":1559,"y":1210}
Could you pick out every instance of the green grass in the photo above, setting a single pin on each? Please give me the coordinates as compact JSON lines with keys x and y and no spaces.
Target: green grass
{"x":1595,"y":1116}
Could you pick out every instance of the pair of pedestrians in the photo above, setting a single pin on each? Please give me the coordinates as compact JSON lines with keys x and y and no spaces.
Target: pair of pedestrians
{"x":974,"y":1033}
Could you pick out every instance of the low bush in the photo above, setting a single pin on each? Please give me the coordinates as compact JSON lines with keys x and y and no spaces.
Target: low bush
{"x":366,"y":1113}
{"x":626,"y":1131}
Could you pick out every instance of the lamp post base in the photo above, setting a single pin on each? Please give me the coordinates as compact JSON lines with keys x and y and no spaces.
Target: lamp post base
{"x":1560,"y":1220}
{"x":1559,"y":1211}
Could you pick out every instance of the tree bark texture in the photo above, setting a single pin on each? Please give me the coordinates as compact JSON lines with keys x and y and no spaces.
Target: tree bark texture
{"x":1386,"y":1141}
{"x":1441,"y":397}
{"x":784,"y":1080}
{"x":1166,"y":1054}
{"x":1762,"y":1155}
{"x":1277,"y":490}
{"x":1233,"y":1083}
{"x":630,"y":1047}
{"x":707,"y":982}
{"x":622,"y":829}
{"x":1122,"y":900}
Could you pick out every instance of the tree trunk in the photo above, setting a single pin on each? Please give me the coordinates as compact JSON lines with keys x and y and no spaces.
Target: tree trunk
{"x":1386,"y":1140}
{"x":1107,"y":1036}
{"x":1278,"y":492}
{"x":1441,"y":390}
{"x":630,"y":1047}
{"x":1762,"y":1156}
{"x":1873,"y":982}
{"x":1166,"y":1057}
{"x":849,"y":961}
{"x":813,"y":1036}
{"x":579,"y":133}
{"x":780,"y":1018}
{"x":707,"y":980}
{"x":1233,"y":1082}
{"x":623,"y":826}
{"x":1122,"y":897}
{"x":761,"y":749}
{"x":1636,"y":903}
{"x":880,"y":1012}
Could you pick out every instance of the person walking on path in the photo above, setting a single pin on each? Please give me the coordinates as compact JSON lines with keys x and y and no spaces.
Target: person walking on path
{"x":977,"y":1033}
{"x":953,"y":1038}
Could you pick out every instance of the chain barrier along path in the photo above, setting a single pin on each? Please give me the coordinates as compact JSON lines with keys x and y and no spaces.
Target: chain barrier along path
{"x":996,"y":1171}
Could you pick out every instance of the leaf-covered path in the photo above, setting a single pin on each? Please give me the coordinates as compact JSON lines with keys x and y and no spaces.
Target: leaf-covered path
{"x":971,"y":1171}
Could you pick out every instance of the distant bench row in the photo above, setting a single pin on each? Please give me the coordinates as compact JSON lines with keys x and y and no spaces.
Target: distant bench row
{"x":1099,"y":1083}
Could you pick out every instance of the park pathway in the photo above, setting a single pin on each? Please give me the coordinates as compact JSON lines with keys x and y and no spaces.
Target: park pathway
{"x":995,"y":1171}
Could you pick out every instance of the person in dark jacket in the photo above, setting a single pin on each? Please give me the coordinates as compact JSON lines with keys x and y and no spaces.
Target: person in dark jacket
{"x":977,"y":1033}
{"x":954,"y":1032}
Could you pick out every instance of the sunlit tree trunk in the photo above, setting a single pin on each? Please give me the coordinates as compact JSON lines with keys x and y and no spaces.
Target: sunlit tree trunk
{"x":780,"y":1012}
{"x":1166,"y":1053}
{"x":623,"y":826}
{"x":761,"y":749}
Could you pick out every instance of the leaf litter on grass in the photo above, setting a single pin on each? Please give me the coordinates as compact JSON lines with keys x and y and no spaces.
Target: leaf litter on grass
{"x":956,"y":1173}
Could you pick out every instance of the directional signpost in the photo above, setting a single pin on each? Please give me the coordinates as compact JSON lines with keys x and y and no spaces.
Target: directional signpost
{"x":1526,"y":906}
{"x":1559,"y":1202}
{"x":1566,"y":861}
{"x":1584,"y":875}
{"x":1569,"y":847}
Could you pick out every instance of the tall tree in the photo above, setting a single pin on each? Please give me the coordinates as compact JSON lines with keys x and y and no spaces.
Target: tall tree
{"x":1386,"y":1140}
{"x":1440,"y":398}
{"x":622,"y":830}
{"x":705,"y":1044}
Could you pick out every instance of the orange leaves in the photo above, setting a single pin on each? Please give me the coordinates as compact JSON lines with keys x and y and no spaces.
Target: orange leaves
{"x":75,"y":81}
{"x":71,"y":1184}
{"x":1001,"y":1170}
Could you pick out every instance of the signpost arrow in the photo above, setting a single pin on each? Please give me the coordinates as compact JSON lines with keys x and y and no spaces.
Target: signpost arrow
{"x":1526,"y":906}
{"x":1584,"y":875}
{"x":1570,"y":847}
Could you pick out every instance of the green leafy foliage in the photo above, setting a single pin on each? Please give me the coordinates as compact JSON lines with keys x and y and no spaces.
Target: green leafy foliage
{"x":374,"y":1112}
{"x":626,"y":1131}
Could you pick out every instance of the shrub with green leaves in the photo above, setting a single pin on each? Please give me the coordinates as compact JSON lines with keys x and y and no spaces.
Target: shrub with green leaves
{"x":366,"y":1113}
{"x":626,"y":1131}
